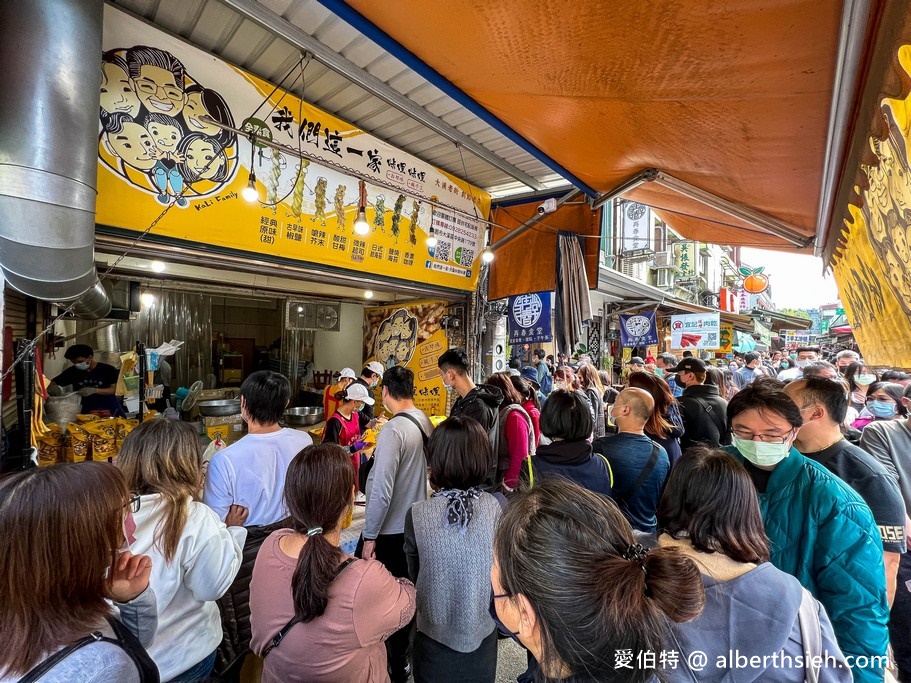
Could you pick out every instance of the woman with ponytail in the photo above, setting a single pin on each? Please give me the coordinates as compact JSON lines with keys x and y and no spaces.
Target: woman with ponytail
{"x":573,"y":586}
{"x":709,"y":512}
{"x":194,"y":556}
{"x":318,"y":615}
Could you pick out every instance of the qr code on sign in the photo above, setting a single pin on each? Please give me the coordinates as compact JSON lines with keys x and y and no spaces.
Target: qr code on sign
{"x":442,"y":251}
{"x":467,"y":257}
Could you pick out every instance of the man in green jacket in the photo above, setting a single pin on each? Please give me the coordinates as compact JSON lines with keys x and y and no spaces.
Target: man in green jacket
{"x":820,"y":530}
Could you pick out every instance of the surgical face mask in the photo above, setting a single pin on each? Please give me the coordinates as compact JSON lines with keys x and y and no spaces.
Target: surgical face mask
{"x":448,"y":387}
{"x":784,"y":366}
{"x":659,"y":372}
{"x":864,"y":380}
{"x":882,"y":409}
{"x":360,"y":407}
{"x":794,"y":356}
{"x":760,"y":453}
{"x":802,"y":363}
{"x":82,"y":366}
{"x":560,"y":385}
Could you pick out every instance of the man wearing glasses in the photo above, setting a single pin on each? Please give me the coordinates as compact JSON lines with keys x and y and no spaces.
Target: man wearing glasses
{"x":820,"y":530}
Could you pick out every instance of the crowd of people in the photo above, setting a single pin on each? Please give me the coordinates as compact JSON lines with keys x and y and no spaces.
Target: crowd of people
{"x":611,"y":531}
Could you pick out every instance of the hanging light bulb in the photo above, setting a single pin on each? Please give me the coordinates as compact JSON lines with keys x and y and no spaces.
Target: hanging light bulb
{"x":250,"y":192}
{"x":361,"y":226}
{"x":431,"y":239}
{"x":487,"y":255}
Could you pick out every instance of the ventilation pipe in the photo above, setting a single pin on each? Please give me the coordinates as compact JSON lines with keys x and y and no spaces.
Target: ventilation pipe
{"x":50,"y":78}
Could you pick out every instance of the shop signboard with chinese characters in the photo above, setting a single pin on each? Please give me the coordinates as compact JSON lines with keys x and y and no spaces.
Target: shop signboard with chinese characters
{"x":696,"y":331}
{"x":157,"y":150}
{"x":794,"y":338}
{"x":639,"y":329}
{"x":529,"y":320}
{"x":411,"y":335}
{"x":636,"y":232}
{"x":686,"y":258}
{"x":726,"y":338}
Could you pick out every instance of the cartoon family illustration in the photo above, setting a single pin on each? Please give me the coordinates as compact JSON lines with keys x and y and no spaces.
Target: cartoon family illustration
{"x":156,"y":126}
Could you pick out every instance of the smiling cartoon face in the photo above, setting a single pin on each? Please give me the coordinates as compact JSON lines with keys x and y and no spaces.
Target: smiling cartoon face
{"x":158,"y":90}
{"x":164,"y":135}
{"x":199,"y":154}
{"x":117,"y":95}
{"x":134,"y":145}
{"x":193,"y":112}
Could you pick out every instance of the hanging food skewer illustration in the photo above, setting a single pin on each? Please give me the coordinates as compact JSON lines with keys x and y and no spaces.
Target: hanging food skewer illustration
{"x":297,"y":197}
{"x":320,"y":201}
{"x":341,"y":220}
{"x":397,"y":216}
{"x":379,"y":219}
{"x":413,"y":232}
{"x":278,"y":163}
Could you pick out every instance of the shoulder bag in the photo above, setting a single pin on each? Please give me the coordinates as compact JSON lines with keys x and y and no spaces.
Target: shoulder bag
{"x":364,"y":469}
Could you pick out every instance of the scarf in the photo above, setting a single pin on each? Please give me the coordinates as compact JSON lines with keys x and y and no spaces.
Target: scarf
{"x":460,"y":507}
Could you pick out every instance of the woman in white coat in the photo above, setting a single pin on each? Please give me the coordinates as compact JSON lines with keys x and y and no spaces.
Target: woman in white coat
{"x":195,"y":556}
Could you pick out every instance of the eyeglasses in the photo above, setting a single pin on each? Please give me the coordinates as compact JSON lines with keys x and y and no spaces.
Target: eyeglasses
{"x":501,"y":595}
{"x":133,"y":505}
{"x":765,"y":438}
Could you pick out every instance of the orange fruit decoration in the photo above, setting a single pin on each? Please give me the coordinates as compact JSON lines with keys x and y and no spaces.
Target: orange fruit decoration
{"x":754,"y":281}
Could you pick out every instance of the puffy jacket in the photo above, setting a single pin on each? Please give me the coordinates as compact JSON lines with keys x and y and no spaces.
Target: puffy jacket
{"x":483,"y":404}
{"x":704,"y":416}
{"x":235,"y":604}
{"x":822,"y":533}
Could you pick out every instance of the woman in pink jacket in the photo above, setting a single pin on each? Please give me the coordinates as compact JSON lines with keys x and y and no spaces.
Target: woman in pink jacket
{"x":517,"y":437}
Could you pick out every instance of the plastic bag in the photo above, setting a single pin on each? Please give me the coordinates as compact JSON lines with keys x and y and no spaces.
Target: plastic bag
{"x":62,"y":410}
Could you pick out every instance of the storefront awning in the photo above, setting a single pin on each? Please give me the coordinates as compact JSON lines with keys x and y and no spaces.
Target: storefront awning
{"x":741,"y":101}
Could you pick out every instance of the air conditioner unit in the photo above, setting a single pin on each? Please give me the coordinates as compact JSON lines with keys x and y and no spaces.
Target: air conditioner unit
{"x":664,"y":259}
{"x":322,"y":316}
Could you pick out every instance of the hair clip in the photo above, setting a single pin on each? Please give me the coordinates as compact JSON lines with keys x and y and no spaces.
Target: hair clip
{"x":315,"y":531}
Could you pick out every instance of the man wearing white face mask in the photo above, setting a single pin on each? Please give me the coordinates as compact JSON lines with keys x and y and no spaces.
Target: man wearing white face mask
{"x":821,"y":531}
{"x":805,"y":356}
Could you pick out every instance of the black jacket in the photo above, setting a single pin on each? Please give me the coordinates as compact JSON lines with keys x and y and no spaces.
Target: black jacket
{"x":235,"y":604}
{"x":704,"y":414}
{"x":483,"y":404}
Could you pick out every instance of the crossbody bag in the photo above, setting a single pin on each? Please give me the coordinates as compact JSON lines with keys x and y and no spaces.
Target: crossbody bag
{"x":365,"y":466}
{"x":280,"y":636}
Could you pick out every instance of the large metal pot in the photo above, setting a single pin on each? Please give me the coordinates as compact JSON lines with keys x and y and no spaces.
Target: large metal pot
{"x":304,"y":417}
{"x":228,"y":406}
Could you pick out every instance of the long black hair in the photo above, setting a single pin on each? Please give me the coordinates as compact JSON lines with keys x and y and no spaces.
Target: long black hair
{"x":319,"y":487}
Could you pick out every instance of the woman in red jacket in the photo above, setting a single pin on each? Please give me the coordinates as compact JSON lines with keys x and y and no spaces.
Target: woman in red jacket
{"x":344,"y":427}
{"x":517,"y":437}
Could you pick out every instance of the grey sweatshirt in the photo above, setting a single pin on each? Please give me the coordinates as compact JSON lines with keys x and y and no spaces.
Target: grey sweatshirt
{"x":398,"y":478}
{"x":889,"y":441}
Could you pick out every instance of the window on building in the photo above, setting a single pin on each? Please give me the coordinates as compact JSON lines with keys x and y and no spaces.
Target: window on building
{"x":660,"y":236}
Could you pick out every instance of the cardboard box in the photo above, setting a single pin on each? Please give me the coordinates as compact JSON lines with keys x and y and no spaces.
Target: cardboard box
{"x":227,"y":427}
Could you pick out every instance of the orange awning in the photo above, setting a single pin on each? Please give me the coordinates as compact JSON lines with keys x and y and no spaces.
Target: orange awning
{"x":731,"y":97}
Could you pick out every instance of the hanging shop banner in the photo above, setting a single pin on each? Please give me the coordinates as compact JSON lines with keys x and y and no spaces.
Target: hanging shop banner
{"x":873,"y":265}
{"x":696,"y":331}
{"x":636,"y":232}
{"x":638,"y":329}
{"x":157,"y":150}
{"x":881,"y":325}
{"x":530,"y":319}
{"x":726,"y":338}
{"x":412,"y":336}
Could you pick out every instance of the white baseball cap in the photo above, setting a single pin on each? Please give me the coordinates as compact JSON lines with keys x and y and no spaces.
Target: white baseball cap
{"x":376,"y":367}
{"x":358,"y":392}
{"x":347,"y":372}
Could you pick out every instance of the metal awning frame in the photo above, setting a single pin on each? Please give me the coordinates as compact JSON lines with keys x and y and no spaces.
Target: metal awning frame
{"x":757,"y":219}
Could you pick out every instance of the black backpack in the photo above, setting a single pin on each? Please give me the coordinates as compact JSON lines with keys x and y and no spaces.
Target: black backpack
{"x":123,"y":638}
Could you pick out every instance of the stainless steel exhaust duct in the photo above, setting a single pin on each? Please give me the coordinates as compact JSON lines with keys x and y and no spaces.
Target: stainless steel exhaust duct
{"x":50,"y":75}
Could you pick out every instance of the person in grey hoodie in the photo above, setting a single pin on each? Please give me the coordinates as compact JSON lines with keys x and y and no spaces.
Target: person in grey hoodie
{"x":709,"y":512}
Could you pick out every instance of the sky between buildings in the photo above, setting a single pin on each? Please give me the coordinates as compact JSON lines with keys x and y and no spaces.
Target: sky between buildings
{"x":797,"y":281}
